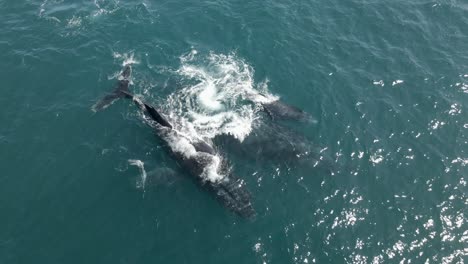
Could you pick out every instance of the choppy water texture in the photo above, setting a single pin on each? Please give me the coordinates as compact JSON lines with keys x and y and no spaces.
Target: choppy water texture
{"x":387,"y":82}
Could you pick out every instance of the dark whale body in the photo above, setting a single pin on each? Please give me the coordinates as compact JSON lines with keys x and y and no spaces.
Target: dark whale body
{"x":279,"y":110}
{"x":229,"y":190}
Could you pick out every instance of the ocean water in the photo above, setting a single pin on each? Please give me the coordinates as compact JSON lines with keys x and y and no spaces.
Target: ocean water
{"x":379,"y":177}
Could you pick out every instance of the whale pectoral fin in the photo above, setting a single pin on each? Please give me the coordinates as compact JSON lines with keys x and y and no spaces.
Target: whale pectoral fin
{"x":163,"y":176}
{"x":105,"y":102}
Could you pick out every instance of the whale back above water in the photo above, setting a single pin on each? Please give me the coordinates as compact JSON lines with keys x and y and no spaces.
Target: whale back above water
{"x":195,"y":155}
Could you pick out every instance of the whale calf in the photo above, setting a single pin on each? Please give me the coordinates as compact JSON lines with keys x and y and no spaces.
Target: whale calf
{"x":196,"y":156}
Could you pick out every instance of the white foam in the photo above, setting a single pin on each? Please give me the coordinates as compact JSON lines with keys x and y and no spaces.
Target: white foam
{"x":380,"y":82}
{"x":181,"y":145}
{"x":42,"y":8}
{"x":221,"y":100}
{"x":189,"y":56}
{"x":215,"y":105}
{"x":257,"y":247}
{"x":42,"y":14}
{"x":127,"y":58}
{"x":74,"y":22}
{"x":211,"y":172}
{"x":455,"y":109}
{"x":377,"y":157}
{"x":105,"y":7}
{"x":141,"y":167}
{"x":397,"y":82}
{"x":209,"y":99}
{"x":229,"y":123}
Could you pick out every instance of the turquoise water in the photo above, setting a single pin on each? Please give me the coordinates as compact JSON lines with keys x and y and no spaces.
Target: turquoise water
{"x":387,"y":82}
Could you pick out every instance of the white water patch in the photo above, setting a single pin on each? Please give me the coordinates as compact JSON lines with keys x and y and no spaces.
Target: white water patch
{"x":396,"y":82}
{"x":455,"y":109}
{"x":127,"y":58}
{"x":228,"y":123}
{"x":212,"y":171}
{"x":224,"y":98}
{"x":105,"y":7}
{"x":220,"y":97}
{"x":380,"y":82}
{"x":74,"y":22}
{"x":43,"y":12}
{"x":377,"y":157}
{"x":462,"y":161}
{"x":141,"y":167}
{"x":436,"y":124}
{"x":183,"y":145}
{"x":42,"y":8}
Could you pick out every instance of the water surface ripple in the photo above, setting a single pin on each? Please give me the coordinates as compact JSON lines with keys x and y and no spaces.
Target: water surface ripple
{"x":387,"y":82}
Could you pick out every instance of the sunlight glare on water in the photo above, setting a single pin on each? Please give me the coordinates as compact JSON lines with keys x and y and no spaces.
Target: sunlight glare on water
{"x":378,"y":177}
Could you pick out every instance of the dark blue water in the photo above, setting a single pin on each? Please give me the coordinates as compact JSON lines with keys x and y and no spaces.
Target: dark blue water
{"x":381,"y":177}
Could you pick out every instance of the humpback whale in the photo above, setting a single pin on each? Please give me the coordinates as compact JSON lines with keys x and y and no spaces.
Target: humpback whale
{"x":196,"y":156}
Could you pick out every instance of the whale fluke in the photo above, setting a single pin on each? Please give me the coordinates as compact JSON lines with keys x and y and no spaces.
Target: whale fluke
{"x":120,"y":91}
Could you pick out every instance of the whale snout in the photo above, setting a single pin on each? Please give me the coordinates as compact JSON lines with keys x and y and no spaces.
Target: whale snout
{"x":127,"y":71}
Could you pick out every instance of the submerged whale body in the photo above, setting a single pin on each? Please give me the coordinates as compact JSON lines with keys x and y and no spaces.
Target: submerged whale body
{"x":279,"y":110}
{"x":197,"y":157}
{"x":272,"y":143}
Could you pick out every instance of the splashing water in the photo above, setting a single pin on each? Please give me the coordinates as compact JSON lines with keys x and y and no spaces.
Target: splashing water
{"x":141,"y":167}
{"x":220,"y":99}
{"x":128,"y":58}
{"x":223,"y":100}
